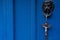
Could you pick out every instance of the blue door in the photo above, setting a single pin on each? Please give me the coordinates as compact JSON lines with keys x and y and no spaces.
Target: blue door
{"x":23,"y":19}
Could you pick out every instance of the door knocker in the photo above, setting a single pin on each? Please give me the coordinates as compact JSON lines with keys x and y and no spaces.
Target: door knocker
{"x":47,"y":7}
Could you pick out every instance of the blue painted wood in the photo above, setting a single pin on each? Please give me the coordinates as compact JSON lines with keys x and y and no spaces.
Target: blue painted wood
{"x":23,"y":19}
{"x":29,"y":20}
{"x":54,"y":21}
{"x":6,"y":20}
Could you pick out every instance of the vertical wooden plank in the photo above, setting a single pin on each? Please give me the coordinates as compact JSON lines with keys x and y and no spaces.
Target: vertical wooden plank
{"x":2,"y":35}
{"x":9,"y":14}
{"x":54,"y":33}
{"x":40,"y":21}
{"x":33,"y":20}
{"x":54,"y":21}
{"x":6,"y":20}
{"x":25,"y":19}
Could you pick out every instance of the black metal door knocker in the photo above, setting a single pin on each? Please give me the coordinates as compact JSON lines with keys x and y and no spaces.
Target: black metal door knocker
{"x":47,"y":7}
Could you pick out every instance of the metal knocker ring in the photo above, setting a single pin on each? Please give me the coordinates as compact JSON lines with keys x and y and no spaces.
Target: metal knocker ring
{"x":47,"y":8}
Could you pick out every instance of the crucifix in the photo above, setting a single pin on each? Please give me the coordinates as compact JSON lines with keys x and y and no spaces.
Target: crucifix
{"x":46,"y":26}
{"x":47,"y":7}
